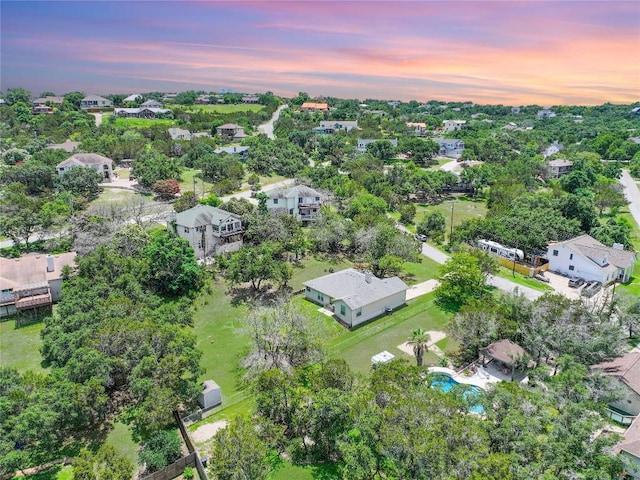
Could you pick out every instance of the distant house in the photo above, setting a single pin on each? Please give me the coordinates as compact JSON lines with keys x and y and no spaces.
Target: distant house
{"x":95,"y":101}
{"x":450,"y":147}
{"x":363,"y":142}
{"x":636,"y":110}
{"x":203,"y":100}
{"x":552,"y":149}
{"x":250,"y":99}
{"x":209,"y":230}
{"x":515,"y":110}
{"x":48,"y":100}
{"x":419,"y":128}
{"x":302,"y":202}
{"x":102,"y":165}
{"x":67,"y":146}
{"x":151,"y":104}
{"x":394,"y":103}
{"x":559,"y":167}
{"x":179,"y":134}
{"x":312,"y":107}
{"x":31,"y":282}
{"x":241,"y":152}
{"x":587,"y":258}
{"x":453,"y":125}
{"x":330,"y":127}
{"x":169,"y":97}
{"x":231,"y":130}
{"x":142,"y":112}
{"x":136,"y":97}
{"x":42,"y":109}
{"x":545,"y":113}
{"x":625,"y":370}
{"x":356,"y":297}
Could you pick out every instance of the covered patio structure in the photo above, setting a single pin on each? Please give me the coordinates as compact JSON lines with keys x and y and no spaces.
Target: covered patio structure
{"x":506,"y":358}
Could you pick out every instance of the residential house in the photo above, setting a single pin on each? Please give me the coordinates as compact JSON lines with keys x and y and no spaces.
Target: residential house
{"x":233,"y":131}
{"x":625,"y":371}
{"x":203,"y":100}
{"x":169,"y":97}
{"x":67,"y":146}
{"x":95,"y":101}
{"x":3,"y":101}
{"x":356,"y":297}
{"x":209,"y":230}
{"x":251,"y":99}
{"x":552,"y":149}
{"x":419,"y":128}
{"x":629,"y":451}
{"x":42,"y":109}
{"x":363,"y":142}
{"x":102,"y":165}
{"x":558,"y":167}
{"x":585,"y":257}
{"x":453,"y":125}
{"x":179,"y":134}
{"x":31,"y":282}
{"x":142,"y":112}
{"x":636,"y":110}
{"x":312,"y":107}
{"x":302,"y":202}
{"x":329,"y":127}
{"x":241,"y":152}
{"x":38,"y":102}
{"x":450,"y":147}
{"x":136,"y":97}
{"x":394,"y":103}
{"x":545,"y":113}
{"x":515,"y":110}
{"x":151,"y":104}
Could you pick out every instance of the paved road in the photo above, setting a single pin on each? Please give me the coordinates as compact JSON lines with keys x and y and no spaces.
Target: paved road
{"x":267,"y":128}
{"x":632,"y":193}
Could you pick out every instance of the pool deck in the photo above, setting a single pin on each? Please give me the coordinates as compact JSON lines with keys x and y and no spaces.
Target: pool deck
{"x":483,"y":377}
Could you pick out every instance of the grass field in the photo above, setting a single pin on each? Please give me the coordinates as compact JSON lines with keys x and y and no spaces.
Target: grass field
{"x":19,"y":347}
{"x":241,"y":107}
{"x":57,"y":472}
{"x":116,"y":195}
{"x":120,"y":439}
{"x":464,"y":208}
{"x":186,"y":184}
{"x":633,"y":286}
{"x":321,"y":471}
{"x":139,"y":122}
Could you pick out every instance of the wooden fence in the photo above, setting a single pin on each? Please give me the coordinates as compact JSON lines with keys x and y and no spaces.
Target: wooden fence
{"x":175,"y":469}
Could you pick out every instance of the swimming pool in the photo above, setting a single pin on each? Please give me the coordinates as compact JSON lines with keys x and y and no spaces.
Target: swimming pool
{"x":445,"y":383}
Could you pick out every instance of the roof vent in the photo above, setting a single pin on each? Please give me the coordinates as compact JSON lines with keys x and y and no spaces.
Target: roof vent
{"x":618,"y":246}
{"x":367,"y":277}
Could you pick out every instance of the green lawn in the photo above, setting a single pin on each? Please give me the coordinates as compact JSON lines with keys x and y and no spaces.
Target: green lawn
{"x":464,"y":208}
{"x":19,"y":347}
{"x":187,"y":185}
{"x":315,"y":266}
{"x":119,"y":195}
{"x":441,"y":161}
{"x":523,"y":280}
{"x":138,"y":122}
{"x":120,"y":438}
{"x":322,"y":471}
{"x":222,"y":108}
{"x":633,"y":286}
{"x":57,"y":472}
{"x":422,"y":271}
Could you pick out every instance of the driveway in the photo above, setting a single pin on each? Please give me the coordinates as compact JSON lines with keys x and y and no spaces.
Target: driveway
{"x":632,"y":193}
{"x":267,"y":128}
{"x":509,"y":287}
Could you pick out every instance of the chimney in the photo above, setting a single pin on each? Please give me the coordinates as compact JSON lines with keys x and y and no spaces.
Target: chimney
{"x":367,"y":277}
{"x":50,"y":265}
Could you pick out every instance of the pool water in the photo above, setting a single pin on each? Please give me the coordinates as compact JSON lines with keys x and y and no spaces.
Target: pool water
{"x":445,"y":383}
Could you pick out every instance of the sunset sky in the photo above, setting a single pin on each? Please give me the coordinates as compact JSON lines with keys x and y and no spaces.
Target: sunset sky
{"x":548,"y":53}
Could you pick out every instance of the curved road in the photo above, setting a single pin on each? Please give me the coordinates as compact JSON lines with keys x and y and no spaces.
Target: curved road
{"x":632,"y":193}
{"x":267,"y":128}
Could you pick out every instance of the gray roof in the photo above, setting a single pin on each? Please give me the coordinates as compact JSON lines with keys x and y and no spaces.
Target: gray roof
{"x":560,"y":162}
{"x":149,"y":103}
{"x":179,"y":132}
{"x":231,"y":150}
{"x":95,"y":98}
{"x":204,"y":215}
{"x":67,"y":146}
{"x":351,"y":287}
{"x":299,"y":191}
{"x":589,"y":247}
{"x":85,"y":159}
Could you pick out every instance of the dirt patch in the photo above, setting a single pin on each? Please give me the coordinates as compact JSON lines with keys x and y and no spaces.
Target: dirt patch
{"x":435,"y":335}
{"x":208,"y":431}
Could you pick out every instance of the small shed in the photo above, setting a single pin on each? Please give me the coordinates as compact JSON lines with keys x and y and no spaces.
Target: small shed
{"x":382,"y":357}
{"x":211,"y":395}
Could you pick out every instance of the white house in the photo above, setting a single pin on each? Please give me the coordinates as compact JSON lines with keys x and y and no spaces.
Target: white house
{"x":31,"y":282}
{"x":141,"y":112}
{"x":332,"y":126}
{"x":363,"y":142}
{"x":552,"y":149}
{"x":302,"y":202}
{"x":419,"y":128}
{"x":209,"y":230}
{"x":558,"y":167}
{"x":179,"y":134}
{"x":453,"y":125}
{"x":545,"y":113}
{"x":356,"y":297}
{"x":241,"y":152}
{"x":585,"y":257}
{"x":102,"y":165}
{"x":95,"y":101}
{"x":134,"y":97}
{"x":450,"y":147}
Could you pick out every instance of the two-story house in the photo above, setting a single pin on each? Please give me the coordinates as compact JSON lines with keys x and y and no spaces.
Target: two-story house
{"x":552,"y":149}
{"x":545,"y":113}
{"x":419,"y":128}
{"x":241,"y":152}
{"x":559,"y":167}
{"x":329,"y":127}
{"x":38,"y":102}
{"x":209,"y":230}
{"x":231,"y":130}
{"x":102,"y":165}
{"x":363,"y":142}
{"x":450,"y":147}
{"x":302,"y":202}
{"x":95,"y":101}
{"x":453,"y":125}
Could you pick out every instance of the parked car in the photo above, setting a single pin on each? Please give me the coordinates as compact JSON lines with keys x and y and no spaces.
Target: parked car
{"x":421,"y":237}
{"x":541,"y":277}
{"x":576,"y":282}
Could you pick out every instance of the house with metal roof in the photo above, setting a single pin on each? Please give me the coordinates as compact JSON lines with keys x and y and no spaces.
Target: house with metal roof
{"x":151,"y":104}
{"x":330,"y":127}
{"x":356,"y":297}
{"x":102,"y":165}
{"x":95,"y":101}
{"x":209,"y":230}
{"x":231,"y":130}
{"x":585,"y":257}
{"x":303,"y":202}
{"x":32,"y":282}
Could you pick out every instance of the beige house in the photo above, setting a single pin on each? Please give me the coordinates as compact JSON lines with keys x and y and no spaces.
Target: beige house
{"x":356,"y":297}
{"x":31,"y":282}
{"x":453,"y":125}
{"x":559,"y":167}
{"x":302,"y":202}
{"x":95,"y":101}
{"x":233,"y":131}
{"x":419,"y":128}
{"x":48,"y":100}
{"x":209,"y":230}
{"x":102,"y":165}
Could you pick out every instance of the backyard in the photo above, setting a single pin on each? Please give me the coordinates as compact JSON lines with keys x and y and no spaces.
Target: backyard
{"x":241,"y":107}
{"x":20,"y":347}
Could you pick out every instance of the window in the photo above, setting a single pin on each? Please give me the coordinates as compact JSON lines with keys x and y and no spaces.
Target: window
{"x":307,"y":289}
{"x":275,"y":201}
{"x":571,"y":267}
{"x":215,"y":228}
{"x":317,"y":199}
{"x":555,"y":253}
{"x":300,"y":200}
{"x":343,"y":309}
{"x":186,"y":229}
{"x":320,"y":297}
{"x":571,"y":256}
{"x":359,"y":312}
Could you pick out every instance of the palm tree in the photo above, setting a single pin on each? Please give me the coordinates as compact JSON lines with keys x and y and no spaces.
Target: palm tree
{"x":419,"y":339}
